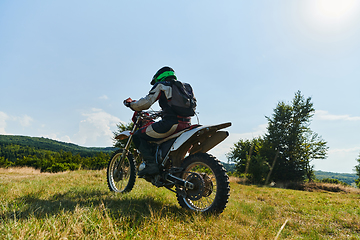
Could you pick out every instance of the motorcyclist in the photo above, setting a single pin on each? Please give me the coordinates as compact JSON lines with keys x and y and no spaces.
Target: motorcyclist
{"x":169,"y":124}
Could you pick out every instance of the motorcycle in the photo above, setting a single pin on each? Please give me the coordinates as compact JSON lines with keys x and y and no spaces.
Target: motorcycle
{"x":198,"y":179}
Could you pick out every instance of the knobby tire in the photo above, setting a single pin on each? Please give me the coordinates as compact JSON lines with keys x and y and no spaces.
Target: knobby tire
{"x":214,"y":201}
{"x":121,"y":173}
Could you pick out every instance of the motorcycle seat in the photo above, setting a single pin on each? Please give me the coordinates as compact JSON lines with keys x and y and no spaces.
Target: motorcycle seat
{"x":175,"y":135}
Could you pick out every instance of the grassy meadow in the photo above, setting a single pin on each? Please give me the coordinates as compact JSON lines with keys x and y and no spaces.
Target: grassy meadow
{"x":78,"y":205}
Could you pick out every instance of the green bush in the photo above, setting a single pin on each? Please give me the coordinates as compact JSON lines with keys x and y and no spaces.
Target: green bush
{"x":333,"y":181}
{"x":4,"y":163}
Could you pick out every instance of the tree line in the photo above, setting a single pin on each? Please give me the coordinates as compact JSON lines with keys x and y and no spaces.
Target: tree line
{"x":52,"y":145}
{"x":347,"y":178}
{"x":15,"y":155}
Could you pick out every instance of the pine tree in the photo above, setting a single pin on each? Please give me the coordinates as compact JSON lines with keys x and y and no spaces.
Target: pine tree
{"x":290,"y":135}
{"x":285,"y":152}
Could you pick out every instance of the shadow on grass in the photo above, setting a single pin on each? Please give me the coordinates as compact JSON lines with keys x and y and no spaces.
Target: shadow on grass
{"x":116,"y":205}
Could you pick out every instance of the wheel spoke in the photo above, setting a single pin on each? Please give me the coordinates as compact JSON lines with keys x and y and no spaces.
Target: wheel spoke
{"x":211,"y":191}
{"x":210,"y":185}
{"x":121,"y":172}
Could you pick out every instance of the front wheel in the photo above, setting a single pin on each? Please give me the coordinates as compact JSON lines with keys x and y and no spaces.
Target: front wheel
{"x":211,"y":184}
{"x":121,"y":172}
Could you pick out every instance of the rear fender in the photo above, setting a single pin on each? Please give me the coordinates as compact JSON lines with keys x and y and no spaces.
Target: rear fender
{"x":198,"y":134}
{"x":197,"y":140}
{"x":209,"y":142}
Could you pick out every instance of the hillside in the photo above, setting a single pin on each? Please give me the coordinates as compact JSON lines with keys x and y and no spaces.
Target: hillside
{"x":348,"y":178}
{"x":50,"y":155}
{"x":50,"y":145}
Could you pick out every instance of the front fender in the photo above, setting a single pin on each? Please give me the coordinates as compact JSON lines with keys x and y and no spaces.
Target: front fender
{"x":123,"y":135}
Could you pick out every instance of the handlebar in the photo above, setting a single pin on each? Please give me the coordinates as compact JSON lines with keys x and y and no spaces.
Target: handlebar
{"x":151,"y":114}
{"x":146,"y":115}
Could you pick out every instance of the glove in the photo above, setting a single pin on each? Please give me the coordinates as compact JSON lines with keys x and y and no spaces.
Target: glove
{"x":127,"y":102}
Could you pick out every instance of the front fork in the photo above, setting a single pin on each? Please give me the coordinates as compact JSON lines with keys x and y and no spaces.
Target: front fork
{"x":127,"y":146}
{"x":126,"y":149}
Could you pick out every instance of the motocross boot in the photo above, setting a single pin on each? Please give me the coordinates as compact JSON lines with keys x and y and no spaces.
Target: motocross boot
{"x":151,"y":168}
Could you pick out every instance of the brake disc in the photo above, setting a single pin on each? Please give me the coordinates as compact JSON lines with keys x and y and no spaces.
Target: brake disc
{"x":199,"y":186}
{"x":208,"y":189}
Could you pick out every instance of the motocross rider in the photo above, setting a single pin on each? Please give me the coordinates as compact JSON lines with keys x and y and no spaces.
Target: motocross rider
{"x":170,"y":122}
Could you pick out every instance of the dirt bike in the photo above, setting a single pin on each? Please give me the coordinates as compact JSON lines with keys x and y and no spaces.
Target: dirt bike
{"x":198,"y":178}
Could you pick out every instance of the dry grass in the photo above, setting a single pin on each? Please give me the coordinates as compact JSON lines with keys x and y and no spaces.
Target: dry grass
{"x":78,"y":205}
{"x":238,"y":180}
{"x":233,"y":179}
{"x":20,"y":170}
{"x":330,"y":187}
{"x":308,"y":186}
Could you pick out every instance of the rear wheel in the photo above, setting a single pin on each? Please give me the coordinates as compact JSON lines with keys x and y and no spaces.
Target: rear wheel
{"x":211,"y":184}
{"x":121,"y":172}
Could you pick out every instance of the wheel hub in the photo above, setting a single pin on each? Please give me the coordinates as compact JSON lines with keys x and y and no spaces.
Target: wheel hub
{"x":118,"y":175}
{"x":199,"y":185}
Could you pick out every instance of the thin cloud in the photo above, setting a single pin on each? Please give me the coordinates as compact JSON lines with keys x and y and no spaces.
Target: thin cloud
{"x":3,"y":118}
{"x":97,"y":128}
{"x":325,"y":115}
{"x":339,"y":160}
{"x":104,"y":97}
{"x":24,"y":121}
{"x":344,"y":150}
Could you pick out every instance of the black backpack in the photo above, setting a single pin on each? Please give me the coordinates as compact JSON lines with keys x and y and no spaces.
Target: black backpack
{"x":183,"y":101}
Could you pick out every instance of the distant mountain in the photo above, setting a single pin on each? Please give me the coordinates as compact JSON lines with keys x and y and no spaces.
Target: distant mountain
{"x":41,"y":143}
{"x":348,"y":178}
{"x":230,"y":167}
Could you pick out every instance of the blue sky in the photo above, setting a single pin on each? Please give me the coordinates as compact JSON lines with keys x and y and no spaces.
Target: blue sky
{"x":66,"y":66}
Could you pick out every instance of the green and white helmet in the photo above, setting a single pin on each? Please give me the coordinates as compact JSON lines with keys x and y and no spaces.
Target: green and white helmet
{"x":163,"y":74}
